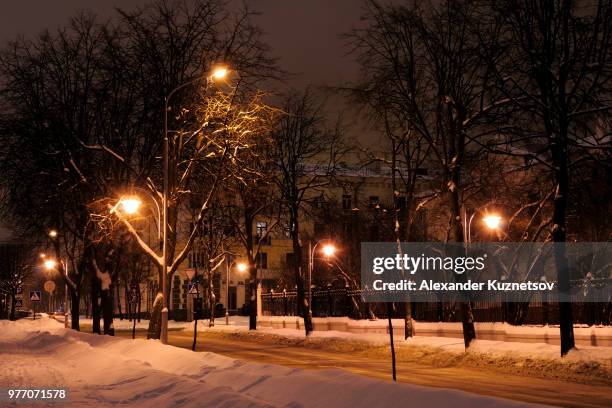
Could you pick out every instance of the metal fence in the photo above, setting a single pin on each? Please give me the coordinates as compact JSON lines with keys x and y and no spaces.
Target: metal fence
{"x":334,"y":302}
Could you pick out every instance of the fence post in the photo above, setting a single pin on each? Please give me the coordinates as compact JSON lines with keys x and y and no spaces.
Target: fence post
{"x":330,"y":301}
{"x":284,"y":302}
{"x":259,"y":300}
{"x":347,"y":301}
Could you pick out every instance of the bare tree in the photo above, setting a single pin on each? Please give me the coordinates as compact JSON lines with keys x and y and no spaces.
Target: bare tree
{"x":440,"y":87}
{"x":253,"y":198}
{"x":554,"y":62}
{"x":15,"y":271}
{"x":305,"y":155}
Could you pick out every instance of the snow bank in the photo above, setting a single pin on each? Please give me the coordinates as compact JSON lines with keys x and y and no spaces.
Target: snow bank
{"x":104,"y":371}
{"x":583,"y":358}
{"x":125,"y":324}
{"x":584,"y":336}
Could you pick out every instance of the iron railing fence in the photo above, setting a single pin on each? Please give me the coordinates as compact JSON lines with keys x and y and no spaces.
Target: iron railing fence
{"x":336,"y":302}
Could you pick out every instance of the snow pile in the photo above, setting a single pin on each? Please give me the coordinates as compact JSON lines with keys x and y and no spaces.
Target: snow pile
{"x":104,"y":371}
{"x":542,"y":360}
{"x":584,"y":335}
{"x":126,"y":324}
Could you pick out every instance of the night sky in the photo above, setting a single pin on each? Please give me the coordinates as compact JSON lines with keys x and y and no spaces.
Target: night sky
{"x":304,"y":34}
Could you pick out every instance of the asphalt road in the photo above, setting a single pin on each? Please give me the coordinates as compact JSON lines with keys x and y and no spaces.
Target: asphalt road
{"x":475,"y":380}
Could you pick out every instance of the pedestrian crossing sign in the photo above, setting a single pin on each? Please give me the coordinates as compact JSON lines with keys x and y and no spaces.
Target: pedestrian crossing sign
{"x":35,"y":296}
{"x":192,"y":288}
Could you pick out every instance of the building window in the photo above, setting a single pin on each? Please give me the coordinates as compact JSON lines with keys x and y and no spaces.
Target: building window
{"x":320,"y":203}
{"x":346,"y":202}
{"x":290,"y":260}
{"x":261,"y":260}
{"x":262,"y":233}
{"x":261,"y":228}
{"x":401,"y":203}
{"x":287,"y":231}
{"x":319,"y":229}
{"x":373,"y":201}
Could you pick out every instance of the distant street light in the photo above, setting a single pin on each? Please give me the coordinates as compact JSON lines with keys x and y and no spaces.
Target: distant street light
{"x":328,"y":250}
{"x":130,"y":205}
{"x":219,"y":73}
{"x":53,"y":233}
{"x":51,"y":264}
{"x":492,"y":221}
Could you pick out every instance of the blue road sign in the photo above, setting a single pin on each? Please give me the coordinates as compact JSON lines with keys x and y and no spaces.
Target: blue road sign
{"x":18,"y":303}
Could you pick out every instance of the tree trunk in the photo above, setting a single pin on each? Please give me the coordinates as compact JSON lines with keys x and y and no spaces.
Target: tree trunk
{"x":456,"y":230}
{"x":95,"y":304}
{"x":139,"y":310}
{"x":248,"y":219}
{"x":75,"y":299}
{"x":253,"y":305}
{"x":12,"y":312}
{"x":154,"y":330}
{"x":302,"y":300}
{"x":119,"y":309}
{"x":566,"y":320}
{"x":107,"y":311}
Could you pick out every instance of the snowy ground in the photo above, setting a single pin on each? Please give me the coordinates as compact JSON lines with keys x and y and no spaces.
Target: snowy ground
{"x":103,"y":371}
{"x":601,"y":355}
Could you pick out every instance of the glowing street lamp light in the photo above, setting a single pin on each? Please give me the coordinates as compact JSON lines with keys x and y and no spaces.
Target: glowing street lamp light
{"x":492,"y":221}
{"x":241,"y":266}
{"x":219,"y":73}
{"x":50,"y":264}
{"x":53,"y":233}
{"x":130,"y":205}
{"x":329,"y":250}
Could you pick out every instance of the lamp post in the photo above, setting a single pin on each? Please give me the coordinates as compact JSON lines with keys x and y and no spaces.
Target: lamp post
{"x":218,"y":73}
{"x":53,"y":235}
{"x":51,"y":264}
{"x":492,"y":221}
{"x":241,"y":268}
{"x":328,"y":251}
{"x":131,"y":204}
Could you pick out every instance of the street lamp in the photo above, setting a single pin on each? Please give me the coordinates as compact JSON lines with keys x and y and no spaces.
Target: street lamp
{"x":241,"y":266}
{"x":130,"y":205}
{"x":217,"y":73}
{"x":328,"y":250}
{"x":51,"y":264}
{"x":491,"y":221}
{"x":53,"y":233}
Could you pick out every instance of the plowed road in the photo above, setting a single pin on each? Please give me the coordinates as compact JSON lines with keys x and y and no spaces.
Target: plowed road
{"x":480,"y":381}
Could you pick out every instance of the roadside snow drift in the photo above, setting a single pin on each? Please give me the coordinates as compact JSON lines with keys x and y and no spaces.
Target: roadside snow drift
{"x":104,"y":371}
